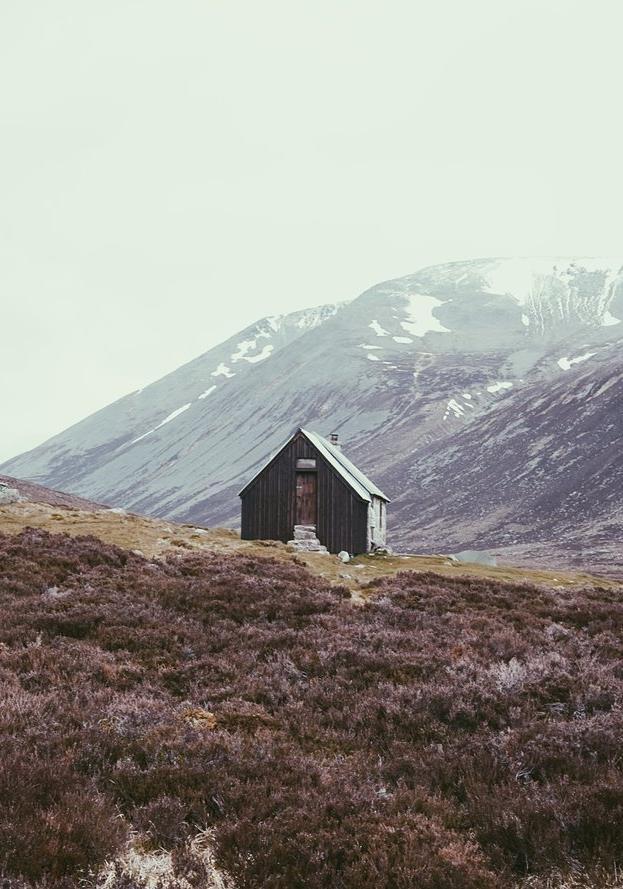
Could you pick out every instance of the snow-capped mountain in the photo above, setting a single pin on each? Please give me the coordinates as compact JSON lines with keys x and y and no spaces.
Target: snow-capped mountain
{"x":467,"y":391}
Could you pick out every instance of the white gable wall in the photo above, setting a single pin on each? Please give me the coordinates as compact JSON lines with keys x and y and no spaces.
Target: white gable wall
{"x":377,"y":523}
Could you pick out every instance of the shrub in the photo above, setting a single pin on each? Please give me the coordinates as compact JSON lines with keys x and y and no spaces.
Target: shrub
{"x":450,"y":732}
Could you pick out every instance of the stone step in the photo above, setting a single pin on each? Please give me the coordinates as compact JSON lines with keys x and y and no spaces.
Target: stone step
{"x":307,"y":546}
{"x":300,"y":534}
{"x":305,"y":540}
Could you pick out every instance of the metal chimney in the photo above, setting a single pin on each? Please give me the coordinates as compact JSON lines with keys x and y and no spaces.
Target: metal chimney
{"x":334,"y":440}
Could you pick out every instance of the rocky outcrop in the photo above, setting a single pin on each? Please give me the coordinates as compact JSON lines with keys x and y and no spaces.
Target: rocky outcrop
{"x":39,"y":494}
{"x":9,"y":495}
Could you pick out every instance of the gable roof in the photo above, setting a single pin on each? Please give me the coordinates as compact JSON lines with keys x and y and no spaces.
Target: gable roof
{"x":353,"y":477}
{"x":349,"y":472}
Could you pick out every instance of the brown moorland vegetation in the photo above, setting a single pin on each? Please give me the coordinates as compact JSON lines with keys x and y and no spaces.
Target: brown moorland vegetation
{"x":160,"y":537}
{"x":450,"y":732}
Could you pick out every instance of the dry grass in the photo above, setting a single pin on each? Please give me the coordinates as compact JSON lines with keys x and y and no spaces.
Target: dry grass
{"x":154,"y":869}
{"x":151,"y":537}
{"x":597,"y":879}
{"x":158,"y":537}
{"x":382,"y":566}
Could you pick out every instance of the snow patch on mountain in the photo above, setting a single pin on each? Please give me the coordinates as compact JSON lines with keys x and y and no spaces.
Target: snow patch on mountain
{"x":311,"y":318}
{"x":454,"y":406}
{"x":457,"y":409}
{"x":376,"y":327}
{"x":567,"y":363}
{"x":499,"y":386}
{"x":609,"y":319}
{"x":420,"y":318}
{"x":515,"y":277}
{"x":265,"y":353}
{"x":274,"y":322}
{"x":172,"y":416}
{"x":222,"y":371}
{"x":552,"y":290}
{"x":244,"y":347}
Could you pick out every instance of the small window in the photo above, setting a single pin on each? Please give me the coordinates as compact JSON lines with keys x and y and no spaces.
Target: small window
{"x":303,"y":463}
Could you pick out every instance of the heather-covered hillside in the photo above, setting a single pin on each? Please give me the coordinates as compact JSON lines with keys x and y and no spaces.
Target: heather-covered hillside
{"x":237,"y":720}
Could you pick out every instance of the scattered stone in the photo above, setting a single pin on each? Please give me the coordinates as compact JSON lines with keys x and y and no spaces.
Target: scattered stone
{"x":382,"y":550}
{"x":343,"y":556}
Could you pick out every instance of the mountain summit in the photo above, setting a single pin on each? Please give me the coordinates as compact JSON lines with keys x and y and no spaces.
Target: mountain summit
{"x":484,"y":395}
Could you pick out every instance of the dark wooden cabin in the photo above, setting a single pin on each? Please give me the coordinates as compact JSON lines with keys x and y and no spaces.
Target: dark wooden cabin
{"x":311,"y":482}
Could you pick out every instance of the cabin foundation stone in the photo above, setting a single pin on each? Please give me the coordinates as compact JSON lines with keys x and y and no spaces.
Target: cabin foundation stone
{"x":305,"y":532}
{"x":305,"y":540}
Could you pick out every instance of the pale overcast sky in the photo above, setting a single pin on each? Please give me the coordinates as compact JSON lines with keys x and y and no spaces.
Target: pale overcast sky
{"x":171,"y":171}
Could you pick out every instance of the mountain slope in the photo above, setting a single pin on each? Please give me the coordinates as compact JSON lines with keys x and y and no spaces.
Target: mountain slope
{"x":546,"y":465}
{"x":30,"y":492}
{"x":127,"y":437}
{"x":406,"y":372}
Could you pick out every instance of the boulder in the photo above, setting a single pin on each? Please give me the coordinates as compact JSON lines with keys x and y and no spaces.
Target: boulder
{"x":9,"y":495}
{"x":475,"y":557}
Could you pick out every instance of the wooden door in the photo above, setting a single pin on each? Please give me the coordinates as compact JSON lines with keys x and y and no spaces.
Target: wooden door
{"x":306,"y":498}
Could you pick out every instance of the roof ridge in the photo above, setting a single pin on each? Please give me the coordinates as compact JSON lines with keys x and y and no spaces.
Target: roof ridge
{"x":358,"y":480}
{"x":355,"y":478}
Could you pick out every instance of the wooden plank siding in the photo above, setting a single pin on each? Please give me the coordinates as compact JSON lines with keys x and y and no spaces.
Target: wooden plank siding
{"x":269,"y":502}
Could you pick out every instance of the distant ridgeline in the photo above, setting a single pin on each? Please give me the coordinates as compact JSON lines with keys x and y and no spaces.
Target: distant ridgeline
{"x":485,"y":395}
